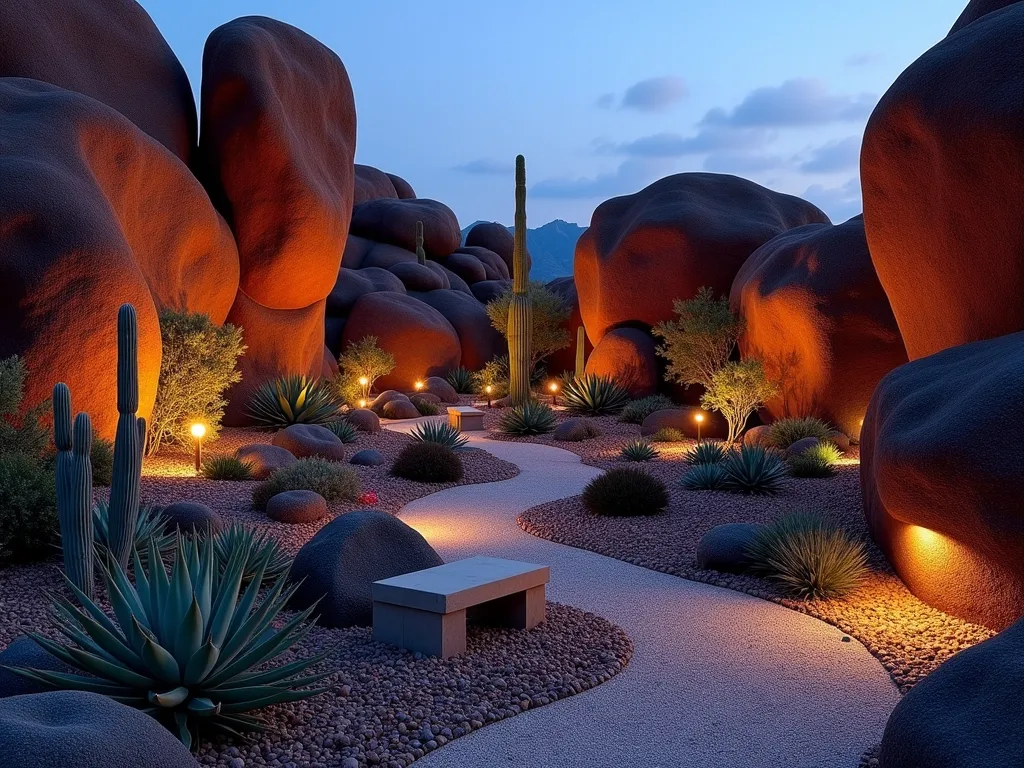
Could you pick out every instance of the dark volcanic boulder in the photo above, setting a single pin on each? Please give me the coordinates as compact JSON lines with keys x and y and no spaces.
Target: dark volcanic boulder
{"x":966,"y":713}
{"x":265,"y":459}
{"x":494,"y":267}
{"x":948,"y":134}
{"x":419,"y":277}
{"x":489,"y":290}
{"x":26,"y":652}
{"x":363,"y":419}
{"x":940,"y":474}
{"x":683,"y":420}
{"x":976,"y":9}
{"x":724,"y":547}
{"x":371,"y":184}
{"x":385,"y":256}
{"x":403,"y":188}
{"x":479,"y":340}
{"x":394,"y":222}
{"x":85,"y":730}
{"x":305,"y":440}
{"x":627,"y":356}
{"x":188,"y":516}
{"x":109,"y":50}
{"x":350,"y":285}
{"x":400,"y":409}
{"x":78,"y":239}
{"x":818,"y":319}
{"x":368,"y":457}
{"x":494,"y":237}
{"x":421,"y":340}
{"x":350,"y":553}
{"x":277,"y":140}
{"x":297,"y":507}
{"x":644,"y":251}
{"x":356,"y":249}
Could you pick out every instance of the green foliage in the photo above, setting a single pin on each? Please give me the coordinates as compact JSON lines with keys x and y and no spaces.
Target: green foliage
{"x":24,"y":433}
{"x":639,"y":450}
{"x":439,"y":432}
{"x":12,"y":384}
{"x":808,"y":557}
{"x":704,"y":477}
{"x":495,"y":374}
{"x":426,"y":408}
{"x":785,"y":432}
{"x":594,"y":395}
{"x":625,"y":492}
{"x":531,"y":418}
{"x":150,"y":526}
{"x":698,"y":342}
{"x":345,"y":431}
{"x":197,"y":367}
{"x":549,"y":314}
{"x":425,"y":462}
{"x":668,"y":435}
{"x":817,"y":461}
{"x":707,"y":452}
{"x":28,"y":509}
{"x":185,"y":646}
{"x":227,"y":468}
{"x":260,"y":550}
{"x":359,"y":359}
{"x":102,"y":458}
{"x":461,"y":379}
{"x":754,"y":469}
{"x":736,"y":391}
{"x":333,"y":481}
{"x":292,"y":400}
{"x":638,"y":410}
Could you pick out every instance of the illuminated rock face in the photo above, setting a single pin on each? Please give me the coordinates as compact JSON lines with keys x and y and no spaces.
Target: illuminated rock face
{"x":818,"y":318}
{"x":941,"y":478}
{"x":942,"y":170}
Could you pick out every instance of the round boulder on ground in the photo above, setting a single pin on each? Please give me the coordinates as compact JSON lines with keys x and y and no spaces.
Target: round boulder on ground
{"x":759,"y":435}
{"x":804,"y":444}
{"x":576,"y":430}
{"x":425,"y":397}
{"x":265,"y":459}
{"x":368,"y":457}
{"x":297,"y":507}
{"x":400,"y":409}
{"x":440,"y":388}
{"x":385,"y":397}
{"x":683,"y":420}
{"x":189,"y":516}
{"x":350,"y":553}
{"x":304,"y":440}
{"x":724,"y":547}
{"x":627,"y":356}
{"x":363,"y":419}
{"x":26,"y":652}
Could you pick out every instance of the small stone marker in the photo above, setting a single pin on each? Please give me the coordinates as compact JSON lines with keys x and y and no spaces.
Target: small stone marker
{"x":427,"y":610}
{"x":466,"y":418}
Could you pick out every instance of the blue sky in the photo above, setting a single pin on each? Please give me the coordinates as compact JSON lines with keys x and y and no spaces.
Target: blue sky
{"x":601,"y":96}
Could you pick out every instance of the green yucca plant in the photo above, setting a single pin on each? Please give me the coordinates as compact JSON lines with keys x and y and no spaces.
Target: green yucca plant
{"x":292,"y":400}
{"x":639,"y":450}
{"x":817,"y":461}
{"x":785,"y":432}
{"x":707,"y":452}
{"x":808,"y":557}
{"x":186,"y":646}
{"x":704,"y":477}
{"x":345,"y":430}
{"x":439,"y":432}
{"x":149,"y":527}
{"x":593,"y":395}
{"x":461,"y":379}
{"x":260,"y":549}
{"x":530,"y":418}
{"x":227,"y":468}
{"x":754,"y":469}
{"x":636,"y":411}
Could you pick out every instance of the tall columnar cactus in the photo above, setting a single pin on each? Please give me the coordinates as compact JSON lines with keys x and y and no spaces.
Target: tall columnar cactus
{"x":581,"y":361}
{"x":520,"y":313}
{"x":421,"y":255}
{"x":74,"y":489}
{"x":129,"y":440}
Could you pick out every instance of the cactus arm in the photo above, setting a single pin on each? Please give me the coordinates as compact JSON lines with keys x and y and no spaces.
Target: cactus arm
{"x":520,"y":313}
{"x":124,"y":490}
{"x":581,"y":361}
{"x":421,"y":255}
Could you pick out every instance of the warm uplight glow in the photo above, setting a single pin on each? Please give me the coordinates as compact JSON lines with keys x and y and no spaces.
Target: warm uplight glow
{"x":362,"y":403}
{"x":198,"y":431}
{"x":553,"y":387}
{"x":363,"y":381}
{"x":419,"y":385}
{"x":488,"y":389}
{"x":699,"y":418}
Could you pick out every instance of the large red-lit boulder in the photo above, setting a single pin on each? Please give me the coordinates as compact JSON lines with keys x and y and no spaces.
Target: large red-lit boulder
{"x":107,"y":49}
{"x":372,"y":184}
{"x":403,"y":188}
{"x":494,"y":237}
{"x":818,"y":319}
{"x":422,"y":342}
{"x":976,"y":9}
{"x":479,"y":340}
{"x":948,"y":134}
{"x":78,"y":239}
{"x":277,"y":142}
{"x":644,"y":251}
{"x":494,"y":266}
{"x":394,"y":222}
{"x":940,"y":473}
{"x":627,"y":356}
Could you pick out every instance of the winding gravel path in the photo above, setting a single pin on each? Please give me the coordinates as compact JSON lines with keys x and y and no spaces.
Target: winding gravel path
{"x":718,"y":678}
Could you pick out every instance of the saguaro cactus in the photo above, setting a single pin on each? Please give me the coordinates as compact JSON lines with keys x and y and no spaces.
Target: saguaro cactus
{"x":581,"y":361}
{"x":421,"y":255}
{"x":520,"y":312}
{"x":74,"y":489}
{"x":128,"y":442}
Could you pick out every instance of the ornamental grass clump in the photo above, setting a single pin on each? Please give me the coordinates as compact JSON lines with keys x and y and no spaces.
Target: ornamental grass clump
{"x":343,"y":430}
{"x":707,"y":452}
{"x":818,"y":461}
{"x":754,"y":469}
{"x":260,"y":549}
{"x":668,"y":435}
{"x":226,"y":468}
{"x":424,"y":462}
{"x":440,"y":432}
{"x":426,"y":408}
{"x":704,"y":477}
{"x":187,"y":647}
{"x":530,"y":418}
{"x":333,"y":481}
{"x":785,"y":432}
{"x":461,"y":380}
{"x":639,"y":450}
{"x":808,"y":557}
{"x":292,"y":400}
{"x":636,"y":411}
{"x":593,"y":395}
{"x":625,"y":492}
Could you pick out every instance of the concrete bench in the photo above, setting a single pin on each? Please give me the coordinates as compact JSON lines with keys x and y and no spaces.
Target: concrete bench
{"x":427,"y":610}
{"x":466,"y":418}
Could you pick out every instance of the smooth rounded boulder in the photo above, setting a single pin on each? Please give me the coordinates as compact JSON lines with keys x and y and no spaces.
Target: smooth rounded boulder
{"x":675,"y":236}
{"x":297,"y":507}
{"x":816,"y":316}
{"x":400,"y":409}
{"x":479,"y":340}
{"x":265,"y":459}
{"x":441,"y":389}
{"x":494,"y":237}
{"x":338,"y":565}
{"x":310,"y":440}
{"x":683,"y":419}
{"x":363,"y":419}
{"x":189,"y":516}
{"x":372,"y":184}
{"x":403,"y":188}
{"x":976,"y":9}
{"x":627,"y":356}
{"x":368,"y":457}
{"x":394,"y":222}
{"x":940,"y":478}
{"x":942,"y":171}
{"x":724,"y":548}
{"x":27,"y":653}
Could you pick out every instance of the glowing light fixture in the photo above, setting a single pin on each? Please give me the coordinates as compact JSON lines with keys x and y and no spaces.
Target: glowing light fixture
{"x":553,"y":386}
{"x":364,"y":382}
{"x":488,"y":389}
{"x":699,"y":418}
{"x":418,"y":385}
{"x":198,"y":431}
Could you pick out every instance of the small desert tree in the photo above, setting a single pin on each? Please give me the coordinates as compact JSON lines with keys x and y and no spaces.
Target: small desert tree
{"x":700,"y":340}
{"x":736,"y":390}
{"x":550,"y":312}
{"x":362,"y":359}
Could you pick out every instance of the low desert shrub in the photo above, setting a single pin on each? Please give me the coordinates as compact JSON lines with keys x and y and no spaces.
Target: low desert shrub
{"x":428,"y":463}
{"x":593,"y":395}
{"x":578,"y":430}
{"x":227,"y":468}
{"x":461,"y":380}
{"x":808,"y":557}
{"x":549,"y":312}
{"x":439,"y":432}
{"x":668,"y":435}
{"x":333,"y":481}
{"x":362,"y":359}
{"x":22,"y":433}
{"x":707,"y":452}
{"x":785,"y":432}
{"x":625,"y":492}
{"x":754,"y":469}
{"x":636,"y":411}
{"x":292,"y":400}
{"x":426,"y":408}
{"x":817,"y":461}
{"x":102,"y":458}
{"x":704,"y":477}
{"x":345,"y":431}
{"x":29,"y":529}
{"x":532,"y":418}
{"x":736,"y":391}
{"x":639,"y":450}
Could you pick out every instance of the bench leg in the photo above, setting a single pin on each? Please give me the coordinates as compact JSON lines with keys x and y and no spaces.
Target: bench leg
{"x":523,"y":610}
{"x":432,"y":634}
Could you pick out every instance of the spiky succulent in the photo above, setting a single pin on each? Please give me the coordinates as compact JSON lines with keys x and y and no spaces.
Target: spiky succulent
{"x":593,"y":395}
{"x":260,"y":548}
{"x":639,"y":450}
{"x":292,"y":400}
{"x":461,"y":379}
{"x":186,"y":647}
{"x":707,"y":452}
{"x":426,"y":408}
{"x":227,"y":468}
{"x":530,"y":418}
{"x":817,"y":461}
{"x":704,"y":477}
{"x":439,"y":432}
{"x":754,"y":469}
{"x":149,"y":527}
{"x":345,"y":430}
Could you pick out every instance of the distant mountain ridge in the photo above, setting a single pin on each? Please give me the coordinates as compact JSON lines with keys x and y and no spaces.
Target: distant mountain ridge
{"x":551,"y":246}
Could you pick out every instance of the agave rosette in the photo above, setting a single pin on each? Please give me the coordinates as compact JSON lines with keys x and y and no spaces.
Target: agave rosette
{"x":149,"y":526}
{"x":292,"y":400}
{"x":594,"y":395}
{"x":440,"y":432}
{"x":261,"y":551}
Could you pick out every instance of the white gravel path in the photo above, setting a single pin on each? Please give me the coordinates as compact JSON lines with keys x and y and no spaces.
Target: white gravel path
{"x":718,"y":679}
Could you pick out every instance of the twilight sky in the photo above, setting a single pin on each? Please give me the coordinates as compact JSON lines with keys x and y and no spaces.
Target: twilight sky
{"x":601,"y":96}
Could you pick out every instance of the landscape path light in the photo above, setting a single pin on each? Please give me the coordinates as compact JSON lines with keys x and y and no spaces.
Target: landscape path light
{"x":198,"y":431}
{"x":365,"y":384}
{"x":699,"y":418}
{"x":554,"y":392}
{"x":488,"y":389}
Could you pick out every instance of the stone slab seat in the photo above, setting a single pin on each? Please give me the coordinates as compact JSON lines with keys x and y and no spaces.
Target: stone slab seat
{"x":427,"y":610}
{"x":466,"y":418}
